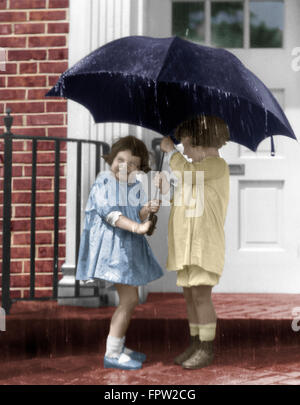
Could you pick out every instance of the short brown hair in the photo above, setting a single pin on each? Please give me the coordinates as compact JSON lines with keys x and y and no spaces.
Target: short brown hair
{"x":135,"y":145}
{"x":204,"y":130}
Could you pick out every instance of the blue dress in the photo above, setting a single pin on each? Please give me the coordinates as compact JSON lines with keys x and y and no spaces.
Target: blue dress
{"x":111,"y":253}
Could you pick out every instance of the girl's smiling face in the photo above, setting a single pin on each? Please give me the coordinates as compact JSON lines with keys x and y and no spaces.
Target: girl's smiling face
{"x":124,"y":164}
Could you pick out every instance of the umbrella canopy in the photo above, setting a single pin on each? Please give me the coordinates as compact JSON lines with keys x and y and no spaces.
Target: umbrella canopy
{"x":158,"y":83}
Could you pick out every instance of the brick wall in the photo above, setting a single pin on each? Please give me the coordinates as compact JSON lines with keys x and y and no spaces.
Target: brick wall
{"x":35,"y":36}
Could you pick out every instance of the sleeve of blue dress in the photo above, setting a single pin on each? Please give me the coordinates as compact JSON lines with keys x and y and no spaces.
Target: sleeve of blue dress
{"x":102,"y":199}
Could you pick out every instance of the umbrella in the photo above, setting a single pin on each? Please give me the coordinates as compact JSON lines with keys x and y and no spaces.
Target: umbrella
{"x":158,"y":83}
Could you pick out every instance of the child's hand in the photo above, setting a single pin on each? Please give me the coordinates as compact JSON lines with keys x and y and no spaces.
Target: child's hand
{"x":153,"y":205}
{"x":161,"y":182}
{"x":143,"y":228}
{"x":166,"y":144}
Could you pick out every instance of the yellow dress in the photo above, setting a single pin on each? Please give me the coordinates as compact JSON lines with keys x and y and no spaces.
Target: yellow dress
{"x":196,"y":239}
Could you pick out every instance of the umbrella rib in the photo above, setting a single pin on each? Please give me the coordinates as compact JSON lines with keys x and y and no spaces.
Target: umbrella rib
{"x":166,"y":57}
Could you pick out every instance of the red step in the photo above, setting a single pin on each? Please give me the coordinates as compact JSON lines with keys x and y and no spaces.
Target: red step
{"x":36,"y":328}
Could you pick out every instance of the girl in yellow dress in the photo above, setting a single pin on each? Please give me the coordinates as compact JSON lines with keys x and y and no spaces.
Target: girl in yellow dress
{"x":196,"y":240}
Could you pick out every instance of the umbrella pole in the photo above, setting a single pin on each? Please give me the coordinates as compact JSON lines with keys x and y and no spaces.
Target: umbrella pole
{"x":152,"y":216}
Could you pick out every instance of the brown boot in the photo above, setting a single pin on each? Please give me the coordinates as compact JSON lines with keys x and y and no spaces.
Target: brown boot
{"x":202,"y":357}
{"x":194,"y":345}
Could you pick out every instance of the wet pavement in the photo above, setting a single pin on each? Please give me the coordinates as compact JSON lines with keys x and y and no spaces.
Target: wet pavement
{"x":262,"y":366}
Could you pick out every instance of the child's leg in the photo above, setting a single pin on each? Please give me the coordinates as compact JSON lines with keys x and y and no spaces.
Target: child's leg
{"x":128,"y":300}
{"x":207,"y":320}
{"x":203,"y":303}
{"x":193,"y":325}
{"x":191,"y":311}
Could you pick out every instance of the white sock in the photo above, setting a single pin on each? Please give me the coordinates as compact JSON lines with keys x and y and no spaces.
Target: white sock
{"x":126,"y":350}
{"x":114,"y":346}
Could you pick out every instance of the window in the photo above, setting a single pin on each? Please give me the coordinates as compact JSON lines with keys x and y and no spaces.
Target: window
{"x":227,"y":24}
{"x":266,"y":24}
{"x":230,"y":23}
{"x":188,"y":20}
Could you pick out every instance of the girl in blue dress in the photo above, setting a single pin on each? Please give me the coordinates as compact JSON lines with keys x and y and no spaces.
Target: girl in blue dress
{"x":113,"y":246}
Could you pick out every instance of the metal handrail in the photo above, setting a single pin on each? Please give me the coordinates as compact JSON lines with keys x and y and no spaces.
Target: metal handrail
{"x":8,"y":137}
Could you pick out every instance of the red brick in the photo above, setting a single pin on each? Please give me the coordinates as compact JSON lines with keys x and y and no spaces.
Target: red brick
{"x":24,"y":280}
{"x":40,"y":266}
{"x":58,"y":54}
{"x":5,"y":29}
{"x":45,"y":224}
{"x":53,"y":67}
{"x":25,"y":184}
{"x":48,"y":198}
{"x":30,"y":28}
{"x":24,"y":157}
{"x":52,"y":81}
{"x":21,"y":184}
{"x":57,"y":28}
{"x":17,"y":121}
{"x":47,"y":41}
{"x":19,"y":252}
{"x":43,"y":238}
{"x":37,"y":94}
{"x":27,"y":107}
{"x":3,"y":4}
{"x":50,"y":119}
{"x":29,"y":54}
{"x":26,"y":81}
{"x":58,"y":3}
{"x":60,"y":132}
{"x":29,"y":4}
{"x":45,"y":211}
{"x":31,"y":131}
{"x":10,"y":94}
{"x":56,"y":107}
{"x":16,"y":266}
{"x":44,"y":170}
{"x":2,"y":81}
{"x":18,"y":145}
{"x":7,"y":16}
{"x":46,"y":157}
{"x":48,"y":251}
{"x":30,"y":67}
{"x":47,"y":15}
{"x":10,"y":69}
{"x":10,"y":42}
{"x":21,"y":238}
{"x":42,"y":145}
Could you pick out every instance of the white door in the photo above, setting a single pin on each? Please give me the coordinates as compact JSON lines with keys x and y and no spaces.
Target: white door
{"x":263,"y":221}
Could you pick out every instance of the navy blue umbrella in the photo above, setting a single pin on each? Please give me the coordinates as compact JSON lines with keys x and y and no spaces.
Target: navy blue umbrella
{"x":158,"y":83}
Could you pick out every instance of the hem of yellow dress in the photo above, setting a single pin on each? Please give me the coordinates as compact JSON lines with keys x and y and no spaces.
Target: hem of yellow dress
{"x":218,"y":273}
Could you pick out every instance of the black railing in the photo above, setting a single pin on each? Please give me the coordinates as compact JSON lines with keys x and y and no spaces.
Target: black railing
{"x":6,"y":241}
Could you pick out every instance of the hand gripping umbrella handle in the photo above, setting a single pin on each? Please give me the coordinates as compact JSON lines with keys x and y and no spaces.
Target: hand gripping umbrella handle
{"x":152,"y":216}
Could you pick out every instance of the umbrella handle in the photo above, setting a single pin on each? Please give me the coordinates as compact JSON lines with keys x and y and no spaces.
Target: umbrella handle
{"x":152,"y":216}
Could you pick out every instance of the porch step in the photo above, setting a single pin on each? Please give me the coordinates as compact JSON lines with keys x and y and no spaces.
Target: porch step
{"x":39,"y":328}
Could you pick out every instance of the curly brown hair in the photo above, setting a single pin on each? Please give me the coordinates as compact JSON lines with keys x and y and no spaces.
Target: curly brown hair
{"x":135,"y":145}
{"x":204,"y":130}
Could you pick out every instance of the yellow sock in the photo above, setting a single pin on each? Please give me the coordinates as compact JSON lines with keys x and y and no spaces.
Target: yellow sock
{"x":194,"y":329}
{"x":207,"y":332}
